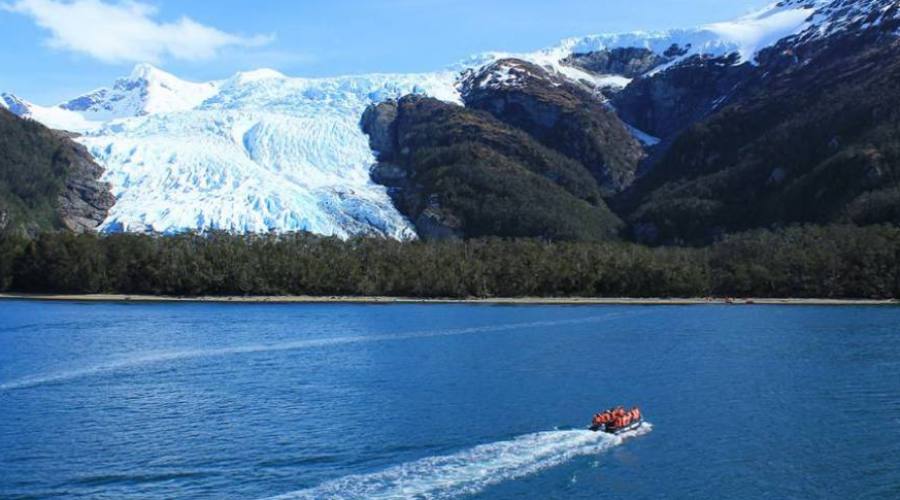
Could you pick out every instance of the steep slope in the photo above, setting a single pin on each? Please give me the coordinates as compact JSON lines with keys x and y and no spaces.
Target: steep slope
{"x":558,"y":113}
{"x":47,"y":181}
{"x":811,"y":137}
{"x":664,"y":104}
{"x":462,"y":173}
{"x":683,"y":85}
{"x":626,"y":62}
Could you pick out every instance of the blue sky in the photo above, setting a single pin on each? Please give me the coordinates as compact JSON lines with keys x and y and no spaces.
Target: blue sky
{"x":57,"y":49}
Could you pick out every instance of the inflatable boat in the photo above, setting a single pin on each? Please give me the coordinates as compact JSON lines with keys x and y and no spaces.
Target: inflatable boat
{"x":617,"y":420}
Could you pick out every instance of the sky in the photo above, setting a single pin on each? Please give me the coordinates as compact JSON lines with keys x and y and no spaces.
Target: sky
{"x":54,"y":50}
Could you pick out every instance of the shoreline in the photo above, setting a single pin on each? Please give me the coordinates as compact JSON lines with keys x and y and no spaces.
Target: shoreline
{"x":303,"y":299}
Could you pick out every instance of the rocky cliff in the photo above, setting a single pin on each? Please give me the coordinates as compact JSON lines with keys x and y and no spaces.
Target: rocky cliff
{"x":628,"y":62}
{"x":47,"y":181}
{"x":665,"y":103}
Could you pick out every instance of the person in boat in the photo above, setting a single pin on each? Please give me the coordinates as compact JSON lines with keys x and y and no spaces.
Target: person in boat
{"x":604,"y":418}
{"x":617,"y":418}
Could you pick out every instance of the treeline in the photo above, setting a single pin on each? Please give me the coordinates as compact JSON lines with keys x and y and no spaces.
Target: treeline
{"x":826,"y":262}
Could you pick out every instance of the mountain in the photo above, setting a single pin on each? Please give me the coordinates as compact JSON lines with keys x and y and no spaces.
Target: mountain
{"x":807,"y":134}
{"x":560,"y":114}
{"x":458,"y":172}
{"x":47,"y":181}
{"x":148,"y":90}
{"x":680,"y":130}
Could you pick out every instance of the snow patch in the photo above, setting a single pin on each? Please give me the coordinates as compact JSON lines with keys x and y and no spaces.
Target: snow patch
{"x":53,"y":117}
{"x":643,"y":137}
{"x":257,"y":75}
{"x":751,"y":34}
{"x":506,"y":74}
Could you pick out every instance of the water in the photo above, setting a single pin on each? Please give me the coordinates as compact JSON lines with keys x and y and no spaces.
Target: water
{"x":441,"y":401}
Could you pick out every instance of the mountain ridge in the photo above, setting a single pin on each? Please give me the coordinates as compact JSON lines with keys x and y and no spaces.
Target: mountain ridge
{"x":262,"y":152}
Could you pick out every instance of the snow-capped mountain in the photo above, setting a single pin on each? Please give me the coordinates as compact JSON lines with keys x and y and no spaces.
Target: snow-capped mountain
{"x":146,"y":91}
{"x":52,"y":116}
{"x":745,"y":36}
{"x":261,"y":151}
{"x":830,"y":17}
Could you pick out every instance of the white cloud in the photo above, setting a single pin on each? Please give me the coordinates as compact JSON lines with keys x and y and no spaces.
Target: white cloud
{"x":126,"y":31}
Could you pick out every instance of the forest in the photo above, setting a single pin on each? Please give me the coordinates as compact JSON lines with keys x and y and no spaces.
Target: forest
{"x":804,"y":261}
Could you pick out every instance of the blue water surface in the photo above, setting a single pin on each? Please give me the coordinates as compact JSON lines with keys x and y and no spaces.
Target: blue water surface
{"x":443,"y":401}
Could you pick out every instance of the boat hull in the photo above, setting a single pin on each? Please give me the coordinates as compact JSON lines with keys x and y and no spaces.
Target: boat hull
{"x":618,"y":430}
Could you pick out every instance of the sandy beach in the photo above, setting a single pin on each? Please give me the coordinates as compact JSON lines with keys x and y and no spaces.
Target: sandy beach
{"x":302,"y":299}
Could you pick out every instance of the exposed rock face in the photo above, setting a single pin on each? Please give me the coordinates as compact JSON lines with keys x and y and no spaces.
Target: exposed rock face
{"x":457,"y":172}
{"x":47,"y":181}
{"x":378,"y":122}
{"x":666,"y":103}
{"x":559,"y":114}
{"x":630,"y":62}
{"x":85,"y":201}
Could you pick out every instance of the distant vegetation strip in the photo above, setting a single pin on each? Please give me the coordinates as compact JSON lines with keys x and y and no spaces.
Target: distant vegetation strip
{"x":833,"y":262}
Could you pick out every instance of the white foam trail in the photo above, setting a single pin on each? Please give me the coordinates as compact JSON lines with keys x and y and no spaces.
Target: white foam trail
{"x":164,"y":357}
{"x":470,"y":471}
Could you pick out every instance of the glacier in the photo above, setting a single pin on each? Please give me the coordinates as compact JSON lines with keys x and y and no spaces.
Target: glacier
{"x":254,"y":153}
{"x":263,"y":152}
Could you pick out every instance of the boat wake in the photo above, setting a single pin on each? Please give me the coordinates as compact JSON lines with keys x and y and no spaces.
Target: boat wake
{"x":147,"y":359}
{"x":470,"y":471}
